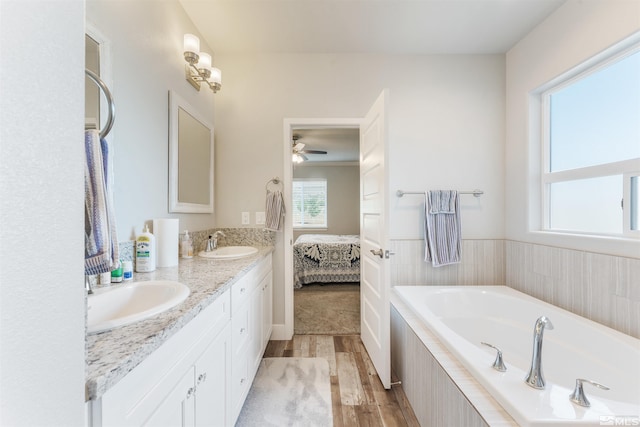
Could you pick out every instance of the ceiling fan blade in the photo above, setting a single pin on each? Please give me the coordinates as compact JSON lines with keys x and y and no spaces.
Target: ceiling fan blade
{"x":313,"y":152}
{"x":304,"y":157}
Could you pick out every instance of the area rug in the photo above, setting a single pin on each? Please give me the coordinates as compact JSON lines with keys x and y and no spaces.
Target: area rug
{"x":289,"y":391}
{"x":327,"y":310}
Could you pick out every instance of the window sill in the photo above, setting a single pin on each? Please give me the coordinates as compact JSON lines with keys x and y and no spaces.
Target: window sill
{"x":625,"y":246}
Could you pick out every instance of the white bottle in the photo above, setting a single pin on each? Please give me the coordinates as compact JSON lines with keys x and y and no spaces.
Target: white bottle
{"x":186,"y":246}
{"x":145,"y":251}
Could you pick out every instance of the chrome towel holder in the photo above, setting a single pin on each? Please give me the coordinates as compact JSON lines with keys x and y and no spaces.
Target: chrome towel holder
{"x":110,"y":105}
{"x":476,"y":193}
{"x":275,"y":181}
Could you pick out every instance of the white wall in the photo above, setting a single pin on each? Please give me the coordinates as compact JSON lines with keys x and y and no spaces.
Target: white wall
{"x":343,"y":196}
{"x":446,"y":119}
{"x":41,"y":221}
{"x":147,"y":61}
{"x":577,"y":31}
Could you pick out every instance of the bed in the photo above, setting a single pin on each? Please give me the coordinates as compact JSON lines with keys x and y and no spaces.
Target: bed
{"x":326,"y":258}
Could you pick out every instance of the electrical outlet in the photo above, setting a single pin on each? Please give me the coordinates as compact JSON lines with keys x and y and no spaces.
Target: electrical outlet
{"x":260,"y":218}
{"x":246,"y":219}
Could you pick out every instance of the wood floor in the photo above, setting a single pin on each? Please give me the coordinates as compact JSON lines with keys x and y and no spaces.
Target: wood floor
{"x":356,"y":391}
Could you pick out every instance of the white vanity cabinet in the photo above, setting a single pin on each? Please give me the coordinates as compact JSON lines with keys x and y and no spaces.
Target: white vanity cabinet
{"x":169,"y":387}
{"x":250,"y":324}
{"x":202,"y":374}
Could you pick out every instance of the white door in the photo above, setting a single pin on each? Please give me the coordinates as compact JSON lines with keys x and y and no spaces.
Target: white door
{"x":374,"y":277}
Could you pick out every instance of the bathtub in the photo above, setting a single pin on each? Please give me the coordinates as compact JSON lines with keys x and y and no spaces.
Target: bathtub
{"x":464,"y":316}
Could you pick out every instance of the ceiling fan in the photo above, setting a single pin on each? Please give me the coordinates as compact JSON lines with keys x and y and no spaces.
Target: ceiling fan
{"x":299,"y":152}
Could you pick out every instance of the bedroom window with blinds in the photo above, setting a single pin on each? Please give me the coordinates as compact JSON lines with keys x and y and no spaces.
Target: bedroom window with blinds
{"x":592,"y":149}
{"x":309,"y":203}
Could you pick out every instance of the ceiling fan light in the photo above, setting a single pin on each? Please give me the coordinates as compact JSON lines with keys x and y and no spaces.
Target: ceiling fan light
{"x":297,"y":158}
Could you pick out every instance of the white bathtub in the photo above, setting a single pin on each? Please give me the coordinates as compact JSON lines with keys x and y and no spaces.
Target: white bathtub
{"x":464,"y":316}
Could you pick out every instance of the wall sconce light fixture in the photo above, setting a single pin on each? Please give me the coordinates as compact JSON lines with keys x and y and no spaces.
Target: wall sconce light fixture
{"x":198,"y":69}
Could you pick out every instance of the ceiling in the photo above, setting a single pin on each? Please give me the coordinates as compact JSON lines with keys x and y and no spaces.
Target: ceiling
{"x":366,"y":26}
{"x":417,"y":27}
{"x":341,"y":144}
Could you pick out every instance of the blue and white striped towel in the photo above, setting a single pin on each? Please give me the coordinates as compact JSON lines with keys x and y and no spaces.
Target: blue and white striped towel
{"x":274,"y":211}
{"x":101,"y":243}
{"x":442,"y":230}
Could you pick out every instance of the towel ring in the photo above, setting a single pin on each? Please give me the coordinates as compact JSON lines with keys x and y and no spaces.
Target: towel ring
{"x":275,"y":181}
{"x":111,"y":106}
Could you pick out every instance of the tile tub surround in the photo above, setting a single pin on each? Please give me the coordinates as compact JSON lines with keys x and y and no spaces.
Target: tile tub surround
{"x":482,"y":263}
{"x":111,"y":355}
{"x":440,"y":390}
{"x":602,"y":288}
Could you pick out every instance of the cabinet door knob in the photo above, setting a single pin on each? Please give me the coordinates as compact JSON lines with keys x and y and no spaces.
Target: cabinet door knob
{"x":202,"y":378}
{"x":242,"y":330}
{"x":190,"y":392}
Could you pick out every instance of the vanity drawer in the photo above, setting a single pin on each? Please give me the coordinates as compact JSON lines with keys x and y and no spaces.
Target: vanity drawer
{"x":240,"y":292}
{"x":240,"y":332}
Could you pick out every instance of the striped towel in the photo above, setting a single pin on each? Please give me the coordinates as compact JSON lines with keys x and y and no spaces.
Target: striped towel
{"x":442,"y":233}
{"x":274,"y":212}
{"x":101,"y":244}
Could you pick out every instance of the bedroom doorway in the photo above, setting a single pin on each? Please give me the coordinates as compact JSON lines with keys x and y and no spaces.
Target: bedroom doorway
{"x":324,"y":297}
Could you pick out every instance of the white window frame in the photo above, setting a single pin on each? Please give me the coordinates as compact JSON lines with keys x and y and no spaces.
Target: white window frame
{"x":326,"y":207}
{"x":626,"y":168}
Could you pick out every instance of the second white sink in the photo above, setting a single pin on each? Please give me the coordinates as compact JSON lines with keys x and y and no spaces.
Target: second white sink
{"x":229,"y":252}
{"x":131,"y":303}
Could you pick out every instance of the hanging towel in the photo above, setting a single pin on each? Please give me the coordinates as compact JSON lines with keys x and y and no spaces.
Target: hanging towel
{"x":101,"y":243}
{"x":443,"y":237}
{"x":274,"y":211}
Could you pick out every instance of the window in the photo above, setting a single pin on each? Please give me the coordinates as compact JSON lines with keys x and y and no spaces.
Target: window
{"x":309,"y":203}
{"x":591,"y":140}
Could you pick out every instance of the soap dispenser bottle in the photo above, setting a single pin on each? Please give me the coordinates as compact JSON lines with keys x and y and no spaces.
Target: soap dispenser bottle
{"x":186,"y":246}
{"x":145,"y":251}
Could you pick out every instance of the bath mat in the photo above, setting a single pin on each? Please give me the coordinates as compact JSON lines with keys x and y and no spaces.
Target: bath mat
{"x":289,"y":391}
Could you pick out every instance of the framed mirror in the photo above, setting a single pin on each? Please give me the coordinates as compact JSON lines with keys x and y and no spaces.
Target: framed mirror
{"x":190,"y":158}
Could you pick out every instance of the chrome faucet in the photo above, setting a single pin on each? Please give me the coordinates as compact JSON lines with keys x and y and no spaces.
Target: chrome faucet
{"x":212,"y":243}
{"x":534,"y":378}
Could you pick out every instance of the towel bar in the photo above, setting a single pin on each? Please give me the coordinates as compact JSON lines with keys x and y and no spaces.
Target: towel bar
{"x":476,"y":193}
{"x":111,"y":106}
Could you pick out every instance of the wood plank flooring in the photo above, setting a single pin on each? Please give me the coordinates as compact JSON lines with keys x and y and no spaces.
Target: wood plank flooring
{"x":358,"y":397}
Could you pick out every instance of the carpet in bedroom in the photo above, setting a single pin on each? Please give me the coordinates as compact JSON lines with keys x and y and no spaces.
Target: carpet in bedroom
{"x":327,"y":309}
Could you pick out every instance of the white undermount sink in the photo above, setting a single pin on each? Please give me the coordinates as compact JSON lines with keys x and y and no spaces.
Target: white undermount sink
{"x":126,"y":304}
{"x":229,"y":252}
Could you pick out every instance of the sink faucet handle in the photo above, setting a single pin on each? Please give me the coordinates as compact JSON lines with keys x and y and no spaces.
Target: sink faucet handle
{"x":498,"y":364}
{"x":578,"y":397}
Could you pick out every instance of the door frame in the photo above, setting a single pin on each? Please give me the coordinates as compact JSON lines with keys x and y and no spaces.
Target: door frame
{"x":287,"y":181}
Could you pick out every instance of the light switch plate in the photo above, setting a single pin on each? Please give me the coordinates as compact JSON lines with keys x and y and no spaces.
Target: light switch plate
{"x":246,"y":219}
{"x":260,"y":218}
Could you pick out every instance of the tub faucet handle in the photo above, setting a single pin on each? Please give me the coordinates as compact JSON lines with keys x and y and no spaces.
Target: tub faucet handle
{"x":578,"y":397}
{"x":498,"y":364}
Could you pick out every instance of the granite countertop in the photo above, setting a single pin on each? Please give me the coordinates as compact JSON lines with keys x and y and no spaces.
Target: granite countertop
{"x":113,"y":354}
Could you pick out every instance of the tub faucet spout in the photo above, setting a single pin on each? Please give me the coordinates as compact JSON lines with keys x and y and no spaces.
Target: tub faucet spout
{"x":535,"y":378}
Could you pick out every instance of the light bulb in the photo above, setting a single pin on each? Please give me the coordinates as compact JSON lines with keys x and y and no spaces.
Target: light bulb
{"x":216,"y":75}
{"x":191,"y":44}
{"x":205,"y":61}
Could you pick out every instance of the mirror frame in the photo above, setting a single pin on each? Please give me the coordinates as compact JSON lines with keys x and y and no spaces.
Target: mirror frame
{"x":175,"y":103}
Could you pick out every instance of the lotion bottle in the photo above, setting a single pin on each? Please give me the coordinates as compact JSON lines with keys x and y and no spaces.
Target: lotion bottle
{"x":186,"y":246}
{"x":145,"y":251}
